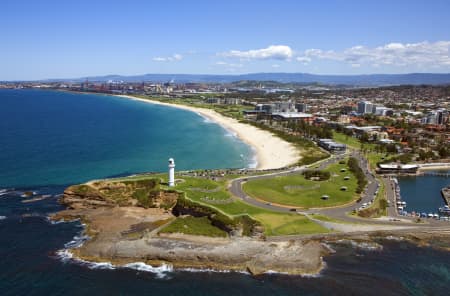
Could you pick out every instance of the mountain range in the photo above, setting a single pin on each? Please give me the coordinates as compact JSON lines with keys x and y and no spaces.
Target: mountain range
{"x":356,"y":80}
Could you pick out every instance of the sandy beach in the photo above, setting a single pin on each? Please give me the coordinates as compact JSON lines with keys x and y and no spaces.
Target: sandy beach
{"x":271,"y":151}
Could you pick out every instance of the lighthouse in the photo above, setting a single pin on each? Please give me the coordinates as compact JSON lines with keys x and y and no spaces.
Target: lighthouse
{"x":171,"y":172}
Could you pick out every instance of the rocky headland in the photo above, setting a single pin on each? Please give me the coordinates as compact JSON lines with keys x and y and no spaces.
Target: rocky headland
{"x":124,"y":218}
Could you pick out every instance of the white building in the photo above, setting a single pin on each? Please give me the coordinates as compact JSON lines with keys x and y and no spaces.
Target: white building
{"x":365,"y":107}
{"x":171,"y":172}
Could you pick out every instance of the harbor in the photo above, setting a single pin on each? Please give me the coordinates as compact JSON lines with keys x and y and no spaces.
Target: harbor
{"x":426,"y":195}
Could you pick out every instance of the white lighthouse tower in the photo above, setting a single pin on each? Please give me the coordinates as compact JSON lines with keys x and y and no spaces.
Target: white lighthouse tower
{"x":171,"y":172}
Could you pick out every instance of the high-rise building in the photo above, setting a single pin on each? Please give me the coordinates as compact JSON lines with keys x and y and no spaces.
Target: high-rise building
{"x":302,"y":107}
{"x":365,"y":107}
{"x":442,"y":116}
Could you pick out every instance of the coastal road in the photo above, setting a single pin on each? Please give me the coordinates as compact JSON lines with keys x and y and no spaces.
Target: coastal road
{"x":236,"y":185}
{"x":339,"y":213}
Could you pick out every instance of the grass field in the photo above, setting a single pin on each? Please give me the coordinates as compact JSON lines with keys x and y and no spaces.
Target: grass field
{"x":193,"y":226}
{"x":348,"y":140}
{"x":274,"y":223}
{"x":295,"y":190}
{"x":374,"y":158}
{"x":328,"y":219}
{"x":288,"y":224}
{"x":214,"y":194}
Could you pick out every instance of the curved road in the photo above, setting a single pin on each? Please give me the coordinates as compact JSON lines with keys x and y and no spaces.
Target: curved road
{"x":339,"y":213}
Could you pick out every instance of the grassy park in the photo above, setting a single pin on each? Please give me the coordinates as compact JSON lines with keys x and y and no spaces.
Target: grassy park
{"x":214,"y":194}
{"x":297,"y":191}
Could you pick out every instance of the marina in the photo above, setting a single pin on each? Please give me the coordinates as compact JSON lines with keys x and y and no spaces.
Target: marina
{"x":426,"y":195}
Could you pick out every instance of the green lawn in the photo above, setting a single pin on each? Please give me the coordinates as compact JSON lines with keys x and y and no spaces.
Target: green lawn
{"x":375,"y":158}
{"x":274,"y":223}
{"x":194,"y":226}
{"x":348,"y":140}
{"x":351,"y":141}
{"x":288,"y":224}
{"x":214,"y":194}
{"x":295,"y":190}
{"x":327,"y":219}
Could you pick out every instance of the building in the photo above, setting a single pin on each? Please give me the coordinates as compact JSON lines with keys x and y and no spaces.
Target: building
{"x":171,"y":172}
{"x":382,"y":111}
{"x":439,"y":117}
{"x":285,"y":106}
{"x":301,"y":107}
{"x":343,"y":119}
{"x":365,"y":107}
{"x":442,"y":116}
{"x":397,"y":168}
{"x":267,"y":108}
{"x":292,"y":116}
{"x":332,"y":146}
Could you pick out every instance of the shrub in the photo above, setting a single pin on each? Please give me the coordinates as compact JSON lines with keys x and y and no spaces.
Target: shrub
{"x":322,"y":175}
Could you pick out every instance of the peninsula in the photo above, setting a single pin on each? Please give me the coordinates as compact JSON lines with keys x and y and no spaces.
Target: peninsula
{"x":313,"y":185}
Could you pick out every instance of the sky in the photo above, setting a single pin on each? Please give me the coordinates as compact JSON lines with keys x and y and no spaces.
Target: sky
{"x":69,"y":39}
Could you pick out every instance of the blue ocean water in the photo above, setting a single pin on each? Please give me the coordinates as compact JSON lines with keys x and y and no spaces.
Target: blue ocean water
{"x":423,"y":193}
{"x":51,"y":139}
{"x":54,"y":138}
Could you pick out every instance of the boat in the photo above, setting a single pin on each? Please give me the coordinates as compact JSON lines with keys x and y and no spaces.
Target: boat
{"x":445,"y":210}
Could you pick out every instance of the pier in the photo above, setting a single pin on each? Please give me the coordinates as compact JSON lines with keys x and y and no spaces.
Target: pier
{"x":446,"y":194}
{"x":439,"y":174}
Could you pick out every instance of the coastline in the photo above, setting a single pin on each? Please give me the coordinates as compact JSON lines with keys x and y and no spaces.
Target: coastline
{"x":437,"y":167}
{"x":271,"y":152}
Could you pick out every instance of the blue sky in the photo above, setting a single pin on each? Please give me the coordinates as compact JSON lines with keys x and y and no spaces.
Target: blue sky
{"x":63,"y":39}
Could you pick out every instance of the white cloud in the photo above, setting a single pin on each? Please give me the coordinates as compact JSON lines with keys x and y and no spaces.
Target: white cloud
{"x":304,"y":60}
{"x":436,"y":54}
{"x":160,"y":59}
{"x":275,"y":66}
{"x":275,"y":52}
{"x":173,"y":58}
{"x":177,"y":57}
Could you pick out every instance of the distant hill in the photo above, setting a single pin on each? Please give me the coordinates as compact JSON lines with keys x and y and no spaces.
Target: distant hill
{"x":357,"y":80}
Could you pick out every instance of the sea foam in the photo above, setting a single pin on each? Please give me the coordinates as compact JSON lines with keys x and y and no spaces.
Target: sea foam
{"x":160,"y":272}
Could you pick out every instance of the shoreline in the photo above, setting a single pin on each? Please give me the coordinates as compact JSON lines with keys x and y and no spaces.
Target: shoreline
{"x":270,"y":151}
{"x":441,"y":167}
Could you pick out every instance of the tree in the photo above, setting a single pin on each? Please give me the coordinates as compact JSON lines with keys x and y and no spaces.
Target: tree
{"x":443,"y":151}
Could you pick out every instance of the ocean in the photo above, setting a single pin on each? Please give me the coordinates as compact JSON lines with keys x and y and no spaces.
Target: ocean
{"x":59,"y":138}
{"x":50,"y":140}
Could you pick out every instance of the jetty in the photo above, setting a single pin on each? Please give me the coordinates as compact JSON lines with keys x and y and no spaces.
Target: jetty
{"x":446,"y":194}
{"x":438,"y":174}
